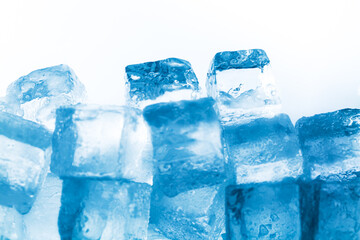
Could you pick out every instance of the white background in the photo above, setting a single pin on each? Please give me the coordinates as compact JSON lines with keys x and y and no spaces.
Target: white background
{"x":313,"y":45}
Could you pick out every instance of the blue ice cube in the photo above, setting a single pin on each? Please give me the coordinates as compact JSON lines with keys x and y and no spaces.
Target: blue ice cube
{"x":23,"y":162}
{"x":330,"y":192}
{"x":194,"y":214}
{"x":37,"y":95}
{"x":187,"y":145}
{"x":92,"y":209}
{"x":242,"y":83}
{"x":107,"y":142}
{"x":264,"y":149}
{"x":170,"y":79}
{"x":263,"y":211}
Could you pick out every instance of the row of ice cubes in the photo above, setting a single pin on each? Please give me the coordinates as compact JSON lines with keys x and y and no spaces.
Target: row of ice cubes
{"x":172,"y":165}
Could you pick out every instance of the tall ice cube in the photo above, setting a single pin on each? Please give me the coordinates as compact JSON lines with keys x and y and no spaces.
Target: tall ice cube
{"x":330,"y":194}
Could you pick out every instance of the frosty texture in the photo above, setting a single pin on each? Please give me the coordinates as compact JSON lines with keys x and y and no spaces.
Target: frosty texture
{"x":23,"y":165}
{"x":101,"y":142}
{"x":242,"y":84}
{"x":44,"y":212}
{"x":330,"y":143}
{"x":187,"y":145}
{"x":170,"y":79}
{"x":195,"y":214}
{"x":37,"y":95}
{"x":11,"y":225}
{"x":104,"y":210}
{"x":265,"y":149}
{"x":263,"y":211}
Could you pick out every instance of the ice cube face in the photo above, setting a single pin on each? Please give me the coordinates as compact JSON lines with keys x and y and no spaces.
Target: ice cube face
{"x":171,"y":79}
{"x":242,"y":83}
{"x":37,"y":95}
{"x":102,"y":142}
{"x":103,"y":210}
{"x":11,"y":226}
{"x":45,"y":211}
{"x":330,"y":144}
{"x":187,"y":145}
{"x":23,"y":160}
{"x":263,"y":211}
{"x":202,"y":219}
{"x":265,"y":149}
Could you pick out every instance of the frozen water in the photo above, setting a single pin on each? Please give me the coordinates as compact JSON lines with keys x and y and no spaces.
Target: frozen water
{"x":92,"y":209}
{"x":11,"y":224}
{"x":242,"y":83}
{"x":265,"y":149}
{"x":330,"y":143}
{"x":195,"y":214}
{"x":330,"y":194}
{"x":23,"y":162}
{"x":166,"y":80}
{"x":106,"y":142}
{"x":41,"y":221}
{"x":154,"y":233}
{"x":187,"y":145}
{"x":263,"y":211}
{"x":37,"y":95}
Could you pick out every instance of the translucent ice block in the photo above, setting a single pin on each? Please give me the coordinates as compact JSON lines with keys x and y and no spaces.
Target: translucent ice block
{"x":11,"y":224}
{"x":330,"y":192}
{"x":24,"y":146}
{"x":92,"y":209}
{"x":166,"y":80}
{"x":106,"y":142}
{"x":330,"y":143}
{"x":187,"y":145}
{"x":195,"y":214}
{"x":44,"y":212}
{"x":242,"y":83}
{"x":265,"y":149}
{"x":37,"y":95}
{"x":263,"y":211}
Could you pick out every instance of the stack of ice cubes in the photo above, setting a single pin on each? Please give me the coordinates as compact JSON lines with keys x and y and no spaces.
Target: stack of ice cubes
{"x":261,"y":147}
{"x":330,"y":194}
{"x":188,"y":195}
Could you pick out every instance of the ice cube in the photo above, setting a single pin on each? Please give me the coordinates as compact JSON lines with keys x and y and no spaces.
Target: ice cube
{"x":107,"y":142}
{"x":166,"y":80}
{"x":23,"y":160}
{"x":242,"y":83}
{"x":263,"y":211}
{"x":37,"y":95}
{"x":330,"y":143}
{"x":92,"y":209}
{"x":265,"y":149}
{"x":11,"y":224}
{"x":330,"y":193}
{"x":194,"y":214}
{"x":44,"y":212}
{"x":187,"y":145}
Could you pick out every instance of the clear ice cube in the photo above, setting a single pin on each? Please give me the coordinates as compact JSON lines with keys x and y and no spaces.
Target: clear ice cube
{"x":330,"y":192}
{"x":265,"y":149}
{"x":45,"y":211}
{"x":186,"y":138}
{"x":242,"y":83}
{"x":24,"y":148}
{"x":171,"y":79}
{"x":92,"y":209}
{"x":263,"y":211}
{"x":37,"y":95}
{"x":107,"y":142}
{"x":195,"y":214}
